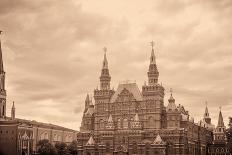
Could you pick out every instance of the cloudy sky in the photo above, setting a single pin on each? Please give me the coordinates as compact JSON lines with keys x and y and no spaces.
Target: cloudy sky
{"x":53,"y":52}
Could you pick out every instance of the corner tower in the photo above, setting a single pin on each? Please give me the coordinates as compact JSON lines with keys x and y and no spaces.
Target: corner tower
{"x":103,"y":95}
{"x":2,"y":86}
{"x":105,"y":75}
{"x":153,"y":96}
{"x":153,"y":73}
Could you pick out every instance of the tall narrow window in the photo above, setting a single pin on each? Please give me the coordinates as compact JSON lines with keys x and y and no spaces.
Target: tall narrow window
{"x":119,"y":123}
{"x":125,"y":123}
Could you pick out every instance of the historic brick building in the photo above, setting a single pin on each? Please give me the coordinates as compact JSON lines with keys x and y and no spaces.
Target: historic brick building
{"x":130,"y":121}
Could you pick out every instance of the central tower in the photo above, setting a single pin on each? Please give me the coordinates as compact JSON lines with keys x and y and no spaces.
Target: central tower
{"x":153,"y":96}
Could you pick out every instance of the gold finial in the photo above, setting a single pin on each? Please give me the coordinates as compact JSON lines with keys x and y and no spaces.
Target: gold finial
{"x":220,"y":108}
{"x":152,"y":44}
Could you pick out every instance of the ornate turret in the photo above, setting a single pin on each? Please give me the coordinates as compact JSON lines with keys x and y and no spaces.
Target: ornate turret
{"x":219,"y":133}
{"x":171,"y":103}
{"x":152,"y":73}
{"x":13,"y":111}
{"x":105,"y":75}
{"x":220,"y":120}
{"x":2,"y":86}
{"x":207,"y":119}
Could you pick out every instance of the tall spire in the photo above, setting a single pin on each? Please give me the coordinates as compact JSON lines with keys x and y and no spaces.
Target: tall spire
{"x":2,"y":85}
{"x":105,"y":75}
{"x":87,"y":102}
{"x":153,"y":73}
{"x":1,"y":59}
{"x":105,"y":62}
{"x":220,"y":119}
{"x":206,"y":114}
{"x":13,"y":111}
{"x":152,"y":58}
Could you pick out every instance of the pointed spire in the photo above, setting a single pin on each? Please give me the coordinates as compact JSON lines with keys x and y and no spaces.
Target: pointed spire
{"x":152,"y":58}
{"x":13,"y":106}
{"x":1,"y":59}
{"x":13,"y":111}
{"x":105,"y":75}
{"x":206,"y":110}
{"x":87,"y":102}
{"x":105,"y":62}
{"x":153,"y":73}
{"x":220,"y":119}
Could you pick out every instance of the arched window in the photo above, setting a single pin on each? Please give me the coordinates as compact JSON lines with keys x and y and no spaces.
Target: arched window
{"x":151,"y":122}
{"x":102,"y":124}
{"x":55,"y":137}
{"x":119,"y":123}
{"x":125,"y":123}
{"x":59,"y":138}
{"x":45,"y":135}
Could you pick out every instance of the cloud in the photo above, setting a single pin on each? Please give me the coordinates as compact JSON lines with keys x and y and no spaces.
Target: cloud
{"x":53,"y":52}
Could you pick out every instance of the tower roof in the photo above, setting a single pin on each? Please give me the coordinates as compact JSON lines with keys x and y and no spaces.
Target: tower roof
{"x":105,"y":62}
{"x":1,"y":59}
{"x":220,"y":120}
{"x":87,"y":98}
{"x":171,"y":104}
{"x":152,"y":58}
{"x":13,"y":106}
{"x":131,"y":87}
{"x":206,"y":114}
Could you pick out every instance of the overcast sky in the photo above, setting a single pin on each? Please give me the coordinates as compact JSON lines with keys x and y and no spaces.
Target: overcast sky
{"x":53,"y":53}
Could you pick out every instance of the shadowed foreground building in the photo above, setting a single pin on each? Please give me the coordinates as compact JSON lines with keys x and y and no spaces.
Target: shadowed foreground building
{"x":20,"y":136}
{"x":130,"y":121}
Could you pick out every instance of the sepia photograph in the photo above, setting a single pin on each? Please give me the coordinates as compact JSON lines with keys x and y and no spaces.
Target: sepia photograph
{"x":115,"y":77}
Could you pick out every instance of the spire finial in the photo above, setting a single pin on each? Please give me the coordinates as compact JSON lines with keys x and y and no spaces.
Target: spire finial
{"x":105,"y":63}
{"x":220,"y":108}
{"x":206,"y":103}
{"x":152,"y":44}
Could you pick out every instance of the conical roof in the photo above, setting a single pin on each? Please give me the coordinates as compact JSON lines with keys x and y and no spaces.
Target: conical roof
{"x":1,"y":59}
{"x":105,"y":62}
{"x":220,"y":120}
{"x":90,"y":141}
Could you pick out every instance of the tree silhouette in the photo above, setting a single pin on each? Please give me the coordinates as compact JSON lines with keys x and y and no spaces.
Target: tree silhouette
{"x":46,"y":148}
{"x":72,"y":148}
{"x":62,"y":148}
